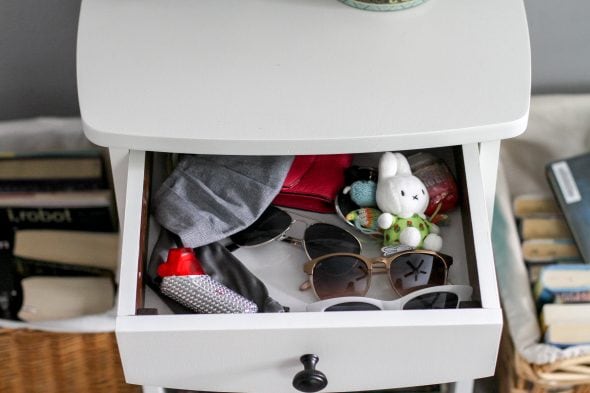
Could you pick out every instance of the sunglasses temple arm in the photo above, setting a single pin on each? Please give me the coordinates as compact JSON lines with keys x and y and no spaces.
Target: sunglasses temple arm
{"x":305,"y":286}
{"x":232,"y":247}
{"x":448,"y":259}
{"x":292,"y":240}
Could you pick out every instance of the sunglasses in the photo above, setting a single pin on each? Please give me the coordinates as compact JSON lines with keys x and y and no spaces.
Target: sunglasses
{"x":439,"y":297}
{"x":349,"y":274}
{"x":318,"y":239}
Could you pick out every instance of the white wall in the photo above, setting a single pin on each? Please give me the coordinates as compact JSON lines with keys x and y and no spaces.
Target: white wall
{"x":37,"y":52}
{"x":37,"y":57}
{"x":560,"y":45}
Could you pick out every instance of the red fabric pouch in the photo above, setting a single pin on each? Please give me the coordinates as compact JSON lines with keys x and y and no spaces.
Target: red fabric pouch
{"x":313,"y":182}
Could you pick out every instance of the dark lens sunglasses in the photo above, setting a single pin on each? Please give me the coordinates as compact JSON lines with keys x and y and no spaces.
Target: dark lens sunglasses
{"x":438,"y":297}
{"x":318,"y":239}
{"x":349,"y":274}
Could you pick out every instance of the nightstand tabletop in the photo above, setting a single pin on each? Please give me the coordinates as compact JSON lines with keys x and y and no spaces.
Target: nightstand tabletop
{"x":300,"y":76}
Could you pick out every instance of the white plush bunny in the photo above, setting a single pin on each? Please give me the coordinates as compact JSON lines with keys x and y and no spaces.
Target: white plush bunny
{"x":403,"y":198}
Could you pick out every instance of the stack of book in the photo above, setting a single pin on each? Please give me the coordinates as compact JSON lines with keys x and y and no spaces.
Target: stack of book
{"x":58,"y":235}
{"x":564,"y":291}
{"x":545,"y":236}
{"x":555,"y":234}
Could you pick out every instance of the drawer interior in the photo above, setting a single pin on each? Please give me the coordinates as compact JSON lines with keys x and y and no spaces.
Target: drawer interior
{"x":279,"y":265}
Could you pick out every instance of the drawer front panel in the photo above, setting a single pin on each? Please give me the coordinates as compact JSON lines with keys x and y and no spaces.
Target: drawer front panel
{"x":182,"y":355}
{"x":357,"y":350}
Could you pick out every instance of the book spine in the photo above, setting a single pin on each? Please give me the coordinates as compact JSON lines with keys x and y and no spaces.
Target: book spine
{"x":26,"y":267}
{"x":549,"y":250}
{"x":53,"y":185}
{"x":96,"y":219}
{"x":570,"y":184}
{"x":534,"y":268}
{"x":10,"y":290}
{"x":544,"y":228}
{"x":565,"y":283}
{"x":26,"y":178}
{"x":555,"y":335}
{"x":535,"y":206}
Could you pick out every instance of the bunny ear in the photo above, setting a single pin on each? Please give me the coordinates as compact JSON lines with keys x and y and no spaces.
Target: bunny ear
{"x":403,"y":167}
{"x":387,"y":165}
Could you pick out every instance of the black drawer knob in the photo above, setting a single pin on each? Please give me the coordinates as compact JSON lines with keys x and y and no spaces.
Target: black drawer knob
{"x":309,"y":380}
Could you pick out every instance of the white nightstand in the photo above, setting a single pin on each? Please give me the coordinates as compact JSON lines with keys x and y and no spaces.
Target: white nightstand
{"x":263,"y":77}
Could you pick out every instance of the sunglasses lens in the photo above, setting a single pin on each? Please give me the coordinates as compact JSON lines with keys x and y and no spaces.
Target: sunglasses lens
{"x":271,"y":224}
{"x":339,"y":276}
{"x":322,"y":239}
{"x":353,"y":306}
{"x":416,"y":270}
{"x":433,"y":301}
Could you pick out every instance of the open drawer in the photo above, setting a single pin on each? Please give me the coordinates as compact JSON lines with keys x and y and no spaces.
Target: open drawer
{"x":357,"y":350}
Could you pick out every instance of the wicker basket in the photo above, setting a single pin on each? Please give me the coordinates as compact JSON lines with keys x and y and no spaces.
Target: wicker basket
{"x":522,"y":174}
{"x":515,"y":375}
{"x":36,"y":361}
{"x":572,"y":375}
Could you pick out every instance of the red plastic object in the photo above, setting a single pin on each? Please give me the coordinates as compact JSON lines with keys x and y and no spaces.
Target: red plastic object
{"x":181,"y":262}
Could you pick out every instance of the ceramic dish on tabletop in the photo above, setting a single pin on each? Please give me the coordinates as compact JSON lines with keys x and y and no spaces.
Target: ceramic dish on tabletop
{"x":383,"y":5}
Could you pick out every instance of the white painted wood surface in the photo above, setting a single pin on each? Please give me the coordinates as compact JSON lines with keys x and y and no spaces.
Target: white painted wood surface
{"x":292,"y":76}
{"x":357,"y":350}
{"x":489,"y":153}
{"x":131,"y":234}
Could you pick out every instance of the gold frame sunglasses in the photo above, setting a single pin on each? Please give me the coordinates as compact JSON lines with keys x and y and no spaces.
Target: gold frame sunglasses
{"x":347,"y":274}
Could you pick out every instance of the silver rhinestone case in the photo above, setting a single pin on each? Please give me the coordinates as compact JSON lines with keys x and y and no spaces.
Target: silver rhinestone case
{"x":204,"y":295}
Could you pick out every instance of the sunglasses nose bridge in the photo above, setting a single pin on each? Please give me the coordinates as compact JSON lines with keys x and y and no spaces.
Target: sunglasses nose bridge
{"x":379,"y":265}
